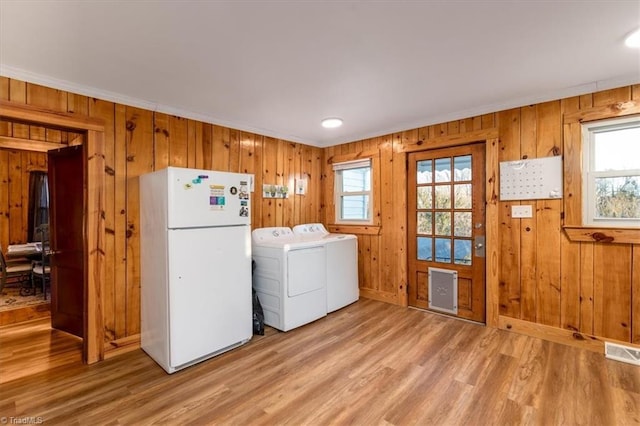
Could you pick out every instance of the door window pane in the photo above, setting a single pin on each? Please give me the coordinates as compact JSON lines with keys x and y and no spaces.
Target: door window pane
{"x":425,"y":200}
{"x":443,"y":196}
{"x":424,"y":171}
{"x":462,"y":194}
{"x":443,"y":170}
{"x":462,"y":252}
{"x":462,"y":168}
{"x":425,"y":223}
{"x":462,"y":224}
{"x":425,"y":248}
{"x":443,"y":250}
{"x":443,"y":223}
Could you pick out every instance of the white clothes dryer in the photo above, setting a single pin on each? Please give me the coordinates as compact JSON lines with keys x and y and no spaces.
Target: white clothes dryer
{"x":342,"y":263}
{"x":290,"y":277}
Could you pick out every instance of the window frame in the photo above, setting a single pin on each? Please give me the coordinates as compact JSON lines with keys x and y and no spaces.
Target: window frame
{"x":589,"y":175}
{"x":338,"y":168}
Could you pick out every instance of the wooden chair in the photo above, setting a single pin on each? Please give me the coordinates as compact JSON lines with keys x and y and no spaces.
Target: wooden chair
{"x":41,"y":268}
{"x":12,"y":269}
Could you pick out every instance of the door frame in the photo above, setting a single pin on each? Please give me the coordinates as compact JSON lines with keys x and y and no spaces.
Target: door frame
{"x":93,"y":224}
{"x":492,"y":219}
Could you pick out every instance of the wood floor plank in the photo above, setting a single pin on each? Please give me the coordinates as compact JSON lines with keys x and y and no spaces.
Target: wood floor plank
{"x":370,"y":363}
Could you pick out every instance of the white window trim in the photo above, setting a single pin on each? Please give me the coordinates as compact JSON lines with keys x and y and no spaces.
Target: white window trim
{"x":346,"y":165}
{"x":589,"y":176}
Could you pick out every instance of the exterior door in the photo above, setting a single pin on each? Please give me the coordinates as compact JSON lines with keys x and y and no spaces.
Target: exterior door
{"x":446,"y":209}
{"x":66,"y":183}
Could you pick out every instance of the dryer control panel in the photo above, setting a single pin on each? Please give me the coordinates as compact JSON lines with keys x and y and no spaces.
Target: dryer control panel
{"x":310,"y":228}
{"x":272,"y":233}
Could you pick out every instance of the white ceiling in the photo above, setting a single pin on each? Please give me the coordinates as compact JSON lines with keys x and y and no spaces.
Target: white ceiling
{"x":278,"y":67}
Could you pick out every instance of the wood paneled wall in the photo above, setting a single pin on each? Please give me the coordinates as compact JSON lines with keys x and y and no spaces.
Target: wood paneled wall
{"x":546,"y":281}
{"x":139,"y":141}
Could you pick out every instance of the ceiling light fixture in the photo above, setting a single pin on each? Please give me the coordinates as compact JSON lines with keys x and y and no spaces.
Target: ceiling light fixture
{"x":633,"y":40}
{"x":331,"y":123}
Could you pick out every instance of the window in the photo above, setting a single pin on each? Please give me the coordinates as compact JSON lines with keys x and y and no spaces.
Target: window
{"x":38,"y":203}
{"x":353,"y":191}
{"x":611,"y":173}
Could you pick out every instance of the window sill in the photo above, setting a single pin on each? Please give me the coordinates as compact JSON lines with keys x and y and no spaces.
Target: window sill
{"x":341,"y":228}
{"x":603,"y":235}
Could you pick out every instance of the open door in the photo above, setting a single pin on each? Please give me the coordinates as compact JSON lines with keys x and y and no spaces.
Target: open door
{"x":66,"y":183}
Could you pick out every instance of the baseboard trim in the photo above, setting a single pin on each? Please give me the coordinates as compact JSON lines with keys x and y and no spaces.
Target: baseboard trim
{"x":121,"y":346}
{"x":557,"y":335}
{"x":25,"y":313}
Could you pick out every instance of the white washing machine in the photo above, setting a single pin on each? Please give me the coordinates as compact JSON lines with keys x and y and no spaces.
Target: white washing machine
{"x":290,"y":277}
{"x":342,"y":263}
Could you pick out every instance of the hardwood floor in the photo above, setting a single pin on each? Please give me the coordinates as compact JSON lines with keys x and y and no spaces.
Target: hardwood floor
{"x":369,"y":363}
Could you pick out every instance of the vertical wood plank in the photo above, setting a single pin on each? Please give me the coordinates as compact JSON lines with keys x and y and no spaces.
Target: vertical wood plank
{"x":199,"y":146}
{"x":5,"y":126}
{"x":529,"y":231}
{"x":45,"y":97}
{"x":192,"y":143}
{"x":269,"y":167}
{"x":120,"y":186}
{"x":178,"y":143}
{"x":234,"y":150}
{"x":306,"y":202}
{"x":24,"y":196}
{"x":256,"y":196}
{"x":387,"y":251}
{"x":586,"y":288}
{"x":570,"y":278}
{"x":220,"y":149}
{"x":18,"y":94}
{"x":612,"y":291}
{"x":488,"y":120}
{"x":139,"y":125}
{"x":570,"y":284}
{"x":161,"y":141}
{"x":246,"y":153}
{"x":93,"y":341}
{"x":4,"y":88}
{"x":509,"y":276}
{"x":78,"y":104}
{"x":288,"y":172}
{"x":635,"y":293}
{"x":329,"y":186}
{"x":295,"y":174}
{"x":548,"y":214}
{"x":400,"y":217}
{"x":493,"y":261}
{"x":572,"y":174}
{"x":15,"y":197}
{"x":5,"y":223}
{"x":586,"y":101}
{"x":105,"y":111}
{"x":207,"y":147}
{"x":364,"y":260}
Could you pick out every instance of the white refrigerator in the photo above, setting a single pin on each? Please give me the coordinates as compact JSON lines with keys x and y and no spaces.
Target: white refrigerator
{"x":195,"y":259}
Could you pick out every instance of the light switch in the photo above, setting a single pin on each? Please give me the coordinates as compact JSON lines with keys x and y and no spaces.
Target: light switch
{"x":521,"y":212}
